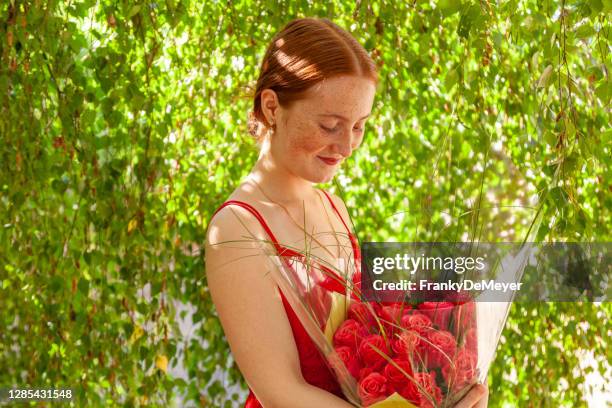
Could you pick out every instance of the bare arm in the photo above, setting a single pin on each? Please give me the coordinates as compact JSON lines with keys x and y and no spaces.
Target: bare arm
{"x":253,"y":317}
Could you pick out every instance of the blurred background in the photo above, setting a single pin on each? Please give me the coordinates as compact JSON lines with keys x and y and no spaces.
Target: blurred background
{"x":124,"y":127}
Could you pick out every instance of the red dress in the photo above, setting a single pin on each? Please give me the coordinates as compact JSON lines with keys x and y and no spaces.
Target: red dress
{"x":313,"y":366}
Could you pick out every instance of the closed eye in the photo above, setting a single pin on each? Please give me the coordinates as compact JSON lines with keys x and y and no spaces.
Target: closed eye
{"x":330,"y":130}
{"x":335,"y":129}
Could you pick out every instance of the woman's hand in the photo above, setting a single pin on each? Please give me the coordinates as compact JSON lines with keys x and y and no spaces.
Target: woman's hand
{"x":477,"y":397}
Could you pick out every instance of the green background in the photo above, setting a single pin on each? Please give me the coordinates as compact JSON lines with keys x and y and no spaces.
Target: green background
{"x":124,"y":127}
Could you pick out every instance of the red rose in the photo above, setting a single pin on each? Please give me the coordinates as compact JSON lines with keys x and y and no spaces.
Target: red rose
{"x":370,"y":351}
{"x":348,"y":334}
{"x":391,"y":316}
{"x":471,"y":340}
{"x":393,"y":312}
{"x":462,"y":371}
{"x":350,"y":360}
{"x":365,"y":371}
{"x":439,"y":313}
{"x":372,"y":389}
{"x":440,"y":347}
{"x":363,"y":313}
{"x":405,"y":344}
{"x":416,"y":321}
{"x":429,"y":395}
{"x":395,"y":376}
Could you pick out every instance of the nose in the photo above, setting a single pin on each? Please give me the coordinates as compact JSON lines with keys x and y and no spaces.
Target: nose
{"x":344,"y":146}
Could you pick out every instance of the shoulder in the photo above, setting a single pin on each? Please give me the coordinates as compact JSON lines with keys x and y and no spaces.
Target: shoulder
{"x":235,"y":219}
{"x":237,"y":251}
{"x":236,"y":225}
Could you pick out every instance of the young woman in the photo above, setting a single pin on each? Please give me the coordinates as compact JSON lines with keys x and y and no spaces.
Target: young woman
{"x":313,"y":96}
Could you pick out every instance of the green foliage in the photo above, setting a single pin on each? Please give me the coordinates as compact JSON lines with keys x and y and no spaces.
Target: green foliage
{"x":124,"y":127}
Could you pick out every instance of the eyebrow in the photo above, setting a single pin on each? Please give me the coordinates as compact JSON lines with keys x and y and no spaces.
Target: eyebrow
{"x":335,"y":115}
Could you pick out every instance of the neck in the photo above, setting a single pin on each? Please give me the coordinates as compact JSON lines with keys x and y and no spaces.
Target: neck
{"x":279,"y":184}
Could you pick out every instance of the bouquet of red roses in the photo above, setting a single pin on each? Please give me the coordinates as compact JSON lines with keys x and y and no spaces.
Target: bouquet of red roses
{"x":421,"y":355}
{"x":409,"y":353}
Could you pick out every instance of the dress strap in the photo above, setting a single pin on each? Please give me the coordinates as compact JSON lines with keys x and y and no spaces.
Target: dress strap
{"x":282,"y":251}
{"x":337,"y":212}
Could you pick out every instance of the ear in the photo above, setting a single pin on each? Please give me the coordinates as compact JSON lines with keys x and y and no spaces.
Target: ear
{"x":269,"y":105}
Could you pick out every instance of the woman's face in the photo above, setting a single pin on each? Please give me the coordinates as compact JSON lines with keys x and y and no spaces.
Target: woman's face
{"x":316,"y":134}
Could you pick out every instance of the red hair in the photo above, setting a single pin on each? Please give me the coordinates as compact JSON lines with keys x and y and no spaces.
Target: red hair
{"x":305,"y":52}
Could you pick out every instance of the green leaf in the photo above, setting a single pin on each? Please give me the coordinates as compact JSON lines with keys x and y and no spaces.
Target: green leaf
{"x":56,"y":284}
{"x":83,"y":286}
{"x":133,"y":11}
{"x":544,"y":79}
{"x":585,"y":31}
{"x":603,"y":91}
{"x":448,"y":7}
{"x":596,"y":7}
{"x":451,"y":78}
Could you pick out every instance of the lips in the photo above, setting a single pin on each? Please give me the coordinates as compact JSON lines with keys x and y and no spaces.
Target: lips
{"x":329,"y":161}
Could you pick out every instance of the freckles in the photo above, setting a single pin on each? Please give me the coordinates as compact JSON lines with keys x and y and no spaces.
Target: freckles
{"x":306,"y":140}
